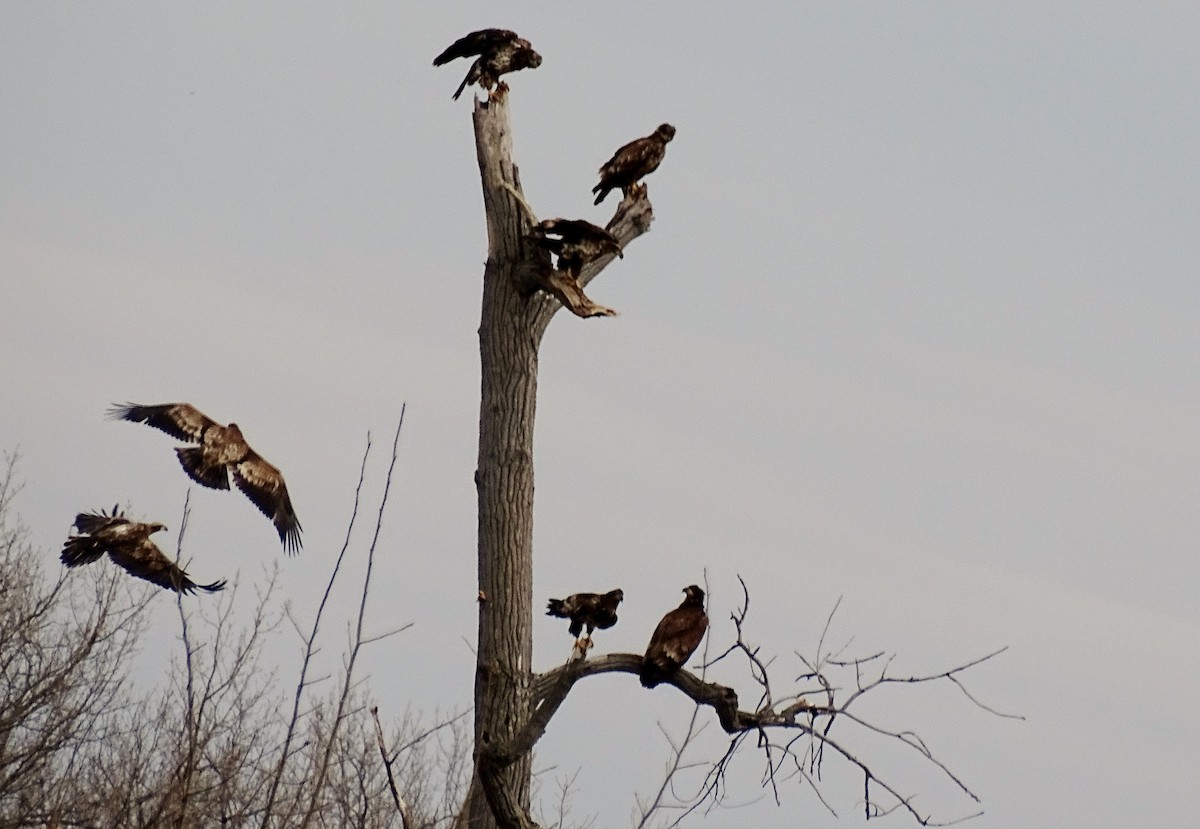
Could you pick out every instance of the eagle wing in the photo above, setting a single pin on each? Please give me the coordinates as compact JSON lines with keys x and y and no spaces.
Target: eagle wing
{"x":96,"y":522}
{"x":476,"y":43}
{"x":263,"y":484}
{"x":629,"y":159}
{"x":677,"y":636}
{"x":179,"y":420}
{"x":144,"y":560}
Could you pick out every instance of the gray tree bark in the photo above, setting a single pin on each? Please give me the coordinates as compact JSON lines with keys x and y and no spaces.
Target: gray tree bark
{"x":520,"y":296}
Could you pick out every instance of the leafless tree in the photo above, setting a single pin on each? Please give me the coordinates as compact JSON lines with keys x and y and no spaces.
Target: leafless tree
{"x":83,"y":745}
{"x":513,"y":706}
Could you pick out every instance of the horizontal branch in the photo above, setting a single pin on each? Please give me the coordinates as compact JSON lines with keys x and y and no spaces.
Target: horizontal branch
{"x":552,"y":687}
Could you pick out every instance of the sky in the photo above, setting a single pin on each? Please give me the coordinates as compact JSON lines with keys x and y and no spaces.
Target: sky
{"x":915,"y":329}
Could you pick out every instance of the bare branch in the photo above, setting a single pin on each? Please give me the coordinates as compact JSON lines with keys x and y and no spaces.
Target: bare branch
{"x":401,"y":805}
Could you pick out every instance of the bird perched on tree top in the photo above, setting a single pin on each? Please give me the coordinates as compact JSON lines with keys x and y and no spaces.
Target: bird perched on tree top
{"x":499,"y":52}
{"x":676,"y":638}
{"x":129,"y":546}
{"x":223,"y":452}
{"x":633,"y":162}
{"x":593,"y":610}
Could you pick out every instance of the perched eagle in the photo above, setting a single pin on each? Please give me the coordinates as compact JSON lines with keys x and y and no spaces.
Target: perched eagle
{"x":595,"y":610}
{"x":575,"y":242}
{"x":500,"y":52}
{"x":128,"y":544}
{"x":675,"y":639}
{"x":222,"y":452}
{"x":633,"y":162}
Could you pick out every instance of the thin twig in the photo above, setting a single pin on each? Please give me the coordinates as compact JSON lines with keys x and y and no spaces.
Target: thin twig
{"x":401,"y":804}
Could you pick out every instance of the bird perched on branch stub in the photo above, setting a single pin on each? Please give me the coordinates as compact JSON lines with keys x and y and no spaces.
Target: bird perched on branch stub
{"x":129,"y":546}
{"x":575,"y":242}
{"x":633,"y":162}
{"x":223,"y":452}
{"x":676,"y":638}
{"x":499,"y":52}
{"x":591,"y":610}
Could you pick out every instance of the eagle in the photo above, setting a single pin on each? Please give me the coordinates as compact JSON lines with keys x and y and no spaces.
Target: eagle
{"x":675,"y":639}
{"x":128,"y":544}
{"x":222,"y":453}
{"x":595,"y":610}
{"x":633,"y":162}
{"x":575,"y":242}
{"x":499,"y":52}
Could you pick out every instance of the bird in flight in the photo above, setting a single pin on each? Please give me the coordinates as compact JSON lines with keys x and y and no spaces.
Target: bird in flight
{"x":129,"y":546}
{"x":223,"y":453}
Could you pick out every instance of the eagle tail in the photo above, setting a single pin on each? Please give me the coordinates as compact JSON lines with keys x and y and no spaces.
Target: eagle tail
{"x":650,"y":675}
{"x":201,"y":470}
{"x":458,"y":92}
{"x":601,"y":192}
{"x":80,"y":550}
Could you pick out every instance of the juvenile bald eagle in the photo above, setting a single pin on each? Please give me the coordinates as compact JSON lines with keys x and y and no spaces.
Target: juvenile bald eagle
{"x":633,"y":162}
{"x":575,"y":242}
{"x":593,"y":610}
{"x":222,"y":452}
{"x":675,"y":639}
{"x":128,"y":544}
{"x":500,"y":52}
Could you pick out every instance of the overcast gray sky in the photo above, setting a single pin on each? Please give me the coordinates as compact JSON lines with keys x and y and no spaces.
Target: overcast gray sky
{"x":916,"y":326}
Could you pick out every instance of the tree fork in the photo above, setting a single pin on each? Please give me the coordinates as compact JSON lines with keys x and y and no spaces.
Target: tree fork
{"x":513,"y":319}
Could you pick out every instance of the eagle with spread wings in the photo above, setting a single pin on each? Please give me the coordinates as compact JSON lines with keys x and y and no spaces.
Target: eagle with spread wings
{"x":633,"y":162}
{"x":575,"y":242}
{"x":222,"y":453}
{"x":675,"y":639}
{"x":590,"y":610}
{"x":499,"y":52}
{"x":129,"y":546}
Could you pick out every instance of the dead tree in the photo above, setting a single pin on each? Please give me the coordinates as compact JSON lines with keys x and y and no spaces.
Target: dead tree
{"x":513,"y":706}
{"x":521,"y":293}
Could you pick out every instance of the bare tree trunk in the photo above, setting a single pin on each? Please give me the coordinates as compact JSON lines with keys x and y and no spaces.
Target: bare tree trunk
{"x":513,"y":319}
{"x":504,"y":475}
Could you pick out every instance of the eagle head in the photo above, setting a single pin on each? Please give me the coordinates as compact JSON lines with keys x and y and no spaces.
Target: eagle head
{"x":693,"y":594}
{"x":534,"y":60}
{"x":665,"y":132}
{"x":156,"y":527}
{"x":617,"y":595}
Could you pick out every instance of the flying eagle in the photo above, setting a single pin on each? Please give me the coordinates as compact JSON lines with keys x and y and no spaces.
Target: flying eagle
{"x":500,"y":52}
{"x":128,"y":544}
{"x":575,"y":242}
{"x":633,"y":162}
{"x":222,"y":452}
{"x":595,"y":610}
{"x":675,"y":639}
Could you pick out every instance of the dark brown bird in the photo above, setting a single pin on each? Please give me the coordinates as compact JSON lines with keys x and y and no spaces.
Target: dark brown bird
{"x":633,"y":162}
{"x":499,"y":52}
{"x":675,"y":639}
{"x":129,"y":546}
{"x":593,"y":610}
{"x":575,"y":242}
{"x":222,"y":452}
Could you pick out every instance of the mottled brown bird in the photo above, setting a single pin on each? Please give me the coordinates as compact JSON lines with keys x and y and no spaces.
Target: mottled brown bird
{"x":575,"y":242}
{"x":499,"y":52}
{"x":223,"y":452}
{"x":590,"y":610}
{"x":676,"y":638}
{"x":633,"y":162}
{"x":129,"y":546}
